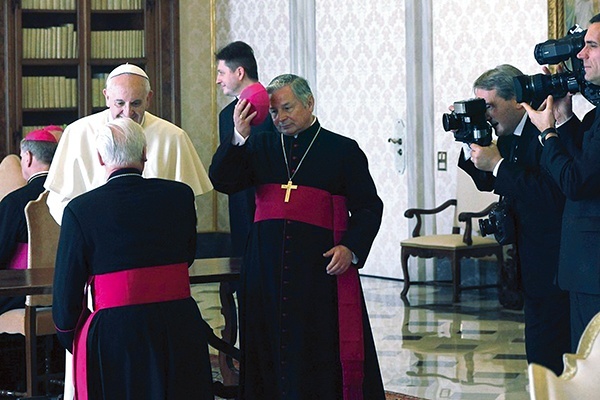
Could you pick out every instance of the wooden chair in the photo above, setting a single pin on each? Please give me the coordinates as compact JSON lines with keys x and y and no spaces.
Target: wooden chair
{"x":36,"y":318}
{"x":580,"y":377}
{"x":454,"y":246}
{"x":11,"y":177}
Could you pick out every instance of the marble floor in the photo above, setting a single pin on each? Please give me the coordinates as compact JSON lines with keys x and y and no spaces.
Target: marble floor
{"x":431,"y":348}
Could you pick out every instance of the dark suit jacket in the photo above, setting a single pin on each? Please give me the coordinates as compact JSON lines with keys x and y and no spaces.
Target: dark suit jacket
{"x":241,"y":204}
{"x":577,"y":173}
{"x":13,"y":229}
{"x":537,"y":202}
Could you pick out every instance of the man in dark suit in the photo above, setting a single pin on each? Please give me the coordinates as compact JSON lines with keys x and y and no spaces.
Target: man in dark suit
{"x":512,"y":169}
{"x":577,"y":173}
{"x":236,"y":70}
{"x":130,"y":243}
{"x":37,"y":151}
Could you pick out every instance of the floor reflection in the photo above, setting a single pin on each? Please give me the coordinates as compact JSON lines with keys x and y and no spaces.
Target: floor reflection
{"x":431,"y":348}
{"x":436,"y":350}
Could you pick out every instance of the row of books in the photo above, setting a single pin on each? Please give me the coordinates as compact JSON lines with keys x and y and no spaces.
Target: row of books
{"x":116,"y":4}
{"x":53,"y":42}
{"x":98,"y":84}
{"x":71,"y":4}
{"x":48,"y":4}
{"x":59,"y":92}
{"x":117,"y":44}
{"x":49,"y":92}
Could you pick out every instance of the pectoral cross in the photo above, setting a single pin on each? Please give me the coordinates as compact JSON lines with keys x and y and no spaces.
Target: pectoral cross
{"x":288,"y":190}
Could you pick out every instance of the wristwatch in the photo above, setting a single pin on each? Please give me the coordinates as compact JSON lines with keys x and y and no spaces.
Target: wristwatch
{"x":545,"y":133}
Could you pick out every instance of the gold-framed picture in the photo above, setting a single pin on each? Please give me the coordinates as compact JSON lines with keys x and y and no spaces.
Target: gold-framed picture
{"x":563,"y":14}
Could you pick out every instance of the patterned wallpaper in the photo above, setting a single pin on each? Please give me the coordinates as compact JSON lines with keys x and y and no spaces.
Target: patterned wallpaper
{"x":361,"y":78}
{"x":470,"y":37}
{"x":360,"y":94}
{"x":198,"y":111}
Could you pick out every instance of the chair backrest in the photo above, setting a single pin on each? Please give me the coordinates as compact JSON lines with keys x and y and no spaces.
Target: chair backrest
{"x":11,"y":177}
{"x":43,"y":235}
{"x":469,"y":198}
{"x":579,"y":379}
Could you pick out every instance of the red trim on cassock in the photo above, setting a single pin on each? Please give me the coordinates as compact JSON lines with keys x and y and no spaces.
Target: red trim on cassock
{"x":123,"y":288}
{"x":321,"y":208}
{"x":19,"y":258}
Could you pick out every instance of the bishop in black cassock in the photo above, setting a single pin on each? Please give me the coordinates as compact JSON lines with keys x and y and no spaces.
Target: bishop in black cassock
{"x":131,"y":230}
{"x":289,"y":327}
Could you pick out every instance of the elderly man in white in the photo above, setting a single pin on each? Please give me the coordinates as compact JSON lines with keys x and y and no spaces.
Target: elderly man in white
{"x":171,"y":154}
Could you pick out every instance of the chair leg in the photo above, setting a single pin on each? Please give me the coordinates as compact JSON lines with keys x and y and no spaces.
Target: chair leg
{"x":404,"y":259}
{"x":31,"y":351}
{"x":456,"y":278}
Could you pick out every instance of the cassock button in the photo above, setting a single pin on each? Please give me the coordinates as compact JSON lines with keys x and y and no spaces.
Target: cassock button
{"x":294,"y":158}
{"x":296,"y":144}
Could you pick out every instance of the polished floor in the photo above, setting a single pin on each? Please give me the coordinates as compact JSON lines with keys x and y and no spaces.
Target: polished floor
{"x":431,"y":348}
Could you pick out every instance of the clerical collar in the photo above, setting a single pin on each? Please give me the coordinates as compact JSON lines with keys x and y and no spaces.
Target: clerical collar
{"x":519,"y":129}
{"x":310,"y":128}
{"x":125,"y":172}
{"x":37,"y":175}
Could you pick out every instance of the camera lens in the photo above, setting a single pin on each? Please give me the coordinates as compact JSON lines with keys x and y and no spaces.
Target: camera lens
{"x":486,"y":227}
{"x":535,"y":88}
{"x":451,"y":122}
{"x":554,"y":51}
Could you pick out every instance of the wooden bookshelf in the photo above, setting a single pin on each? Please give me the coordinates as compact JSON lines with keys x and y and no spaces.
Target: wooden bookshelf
{"x":57,"y":54}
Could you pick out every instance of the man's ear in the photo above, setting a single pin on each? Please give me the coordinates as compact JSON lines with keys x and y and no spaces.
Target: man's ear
{"x":241,"y":73}
{"x":100,"y":159}
{"x":149,"y":97}
{"x":28,"y":158}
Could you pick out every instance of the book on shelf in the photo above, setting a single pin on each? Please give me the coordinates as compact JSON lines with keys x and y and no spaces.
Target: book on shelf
{"x":40,"y":92}
{"x":55,"y":42}
{"x":48,"y":4}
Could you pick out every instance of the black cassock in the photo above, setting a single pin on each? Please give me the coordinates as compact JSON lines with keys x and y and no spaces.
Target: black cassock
{"x":288,"y":307}
{"x":146,"y":351}
{"x":241,"y":204}
{"x":13,"y":229}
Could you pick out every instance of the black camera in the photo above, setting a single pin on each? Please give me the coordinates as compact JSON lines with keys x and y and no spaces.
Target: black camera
{"x":469,"y":123}
{"x":500,"y":222}
{"x":534,"y":89}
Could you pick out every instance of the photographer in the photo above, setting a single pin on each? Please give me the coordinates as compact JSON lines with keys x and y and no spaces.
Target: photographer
{"x":577,"y":173}
{"x":512,"y":169}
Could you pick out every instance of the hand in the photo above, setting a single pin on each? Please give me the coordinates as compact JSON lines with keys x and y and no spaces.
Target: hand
{"x":242,"y":117}
{"x":341,"y":258}
{"x":485,"y":158}
{"x":543,"y":118}
{"x":563,"y":107}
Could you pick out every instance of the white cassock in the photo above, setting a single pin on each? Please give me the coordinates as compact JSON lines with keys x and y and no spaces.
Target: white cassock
{"x":76,"y":169}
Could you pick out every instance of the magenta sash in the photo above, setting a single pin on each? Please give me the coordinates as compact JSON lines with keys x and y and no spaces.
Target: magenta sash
{"x":321,"y":208}
{"x":133,"y":286}
{"x":19,"y":259}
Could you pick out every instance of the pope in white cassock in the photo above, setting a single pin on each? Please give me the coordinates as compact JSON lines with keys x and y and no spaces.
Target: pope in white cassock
{"x":171,"y":154}
{"x":76,"y":169}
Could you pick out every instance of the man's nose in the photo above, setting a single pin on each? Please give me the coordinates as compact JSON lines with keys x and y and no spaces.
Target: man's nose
{"x":282,"y":115}
{"x":128,"y":110}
